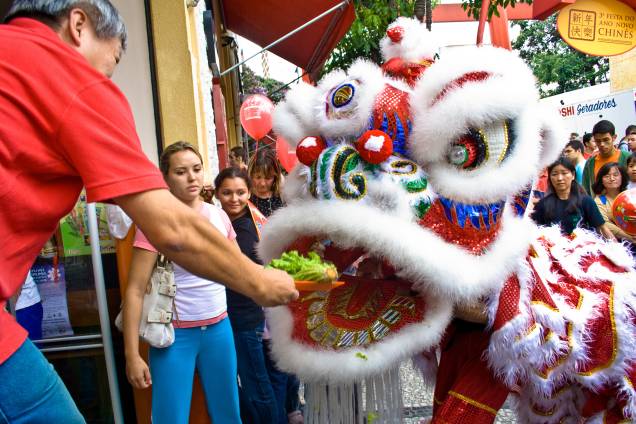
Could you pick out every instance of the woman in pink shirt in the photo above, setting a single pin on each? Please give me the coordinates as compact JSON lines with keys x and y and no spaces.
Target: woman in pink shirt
{"x":203,"y":335}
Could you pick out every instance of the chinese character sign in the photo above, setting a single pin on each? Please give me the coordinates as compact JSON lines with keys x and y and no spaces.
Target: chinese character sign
{"x":598,"y":27}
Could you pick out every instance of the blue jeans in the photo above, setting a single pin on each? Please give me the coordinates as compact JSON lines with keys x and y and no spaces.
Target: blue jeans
{"x":209,"y":349}
{"x":258,"y":400}
{"x":279,"y":380}
{"x":32,"y":392}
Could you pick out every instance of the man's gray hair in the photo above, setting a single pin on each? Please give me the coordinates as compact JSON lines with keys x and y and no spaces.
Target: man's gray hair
{"x":104,"y":16}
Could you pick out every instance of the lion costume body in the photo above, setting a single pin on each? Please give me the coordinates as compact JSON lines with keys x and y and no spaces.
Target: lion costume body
{"x":421,"y":169}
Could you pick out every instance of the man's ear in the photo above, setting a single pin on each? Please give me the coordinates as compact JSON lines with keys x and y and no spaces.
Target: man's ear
{"x":77,"y":23}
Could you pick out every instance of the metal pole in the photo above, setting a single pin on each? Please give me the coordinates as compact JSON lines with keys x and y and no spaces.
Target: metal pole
{"x":104,"y":319}
{"x":289,"y":34}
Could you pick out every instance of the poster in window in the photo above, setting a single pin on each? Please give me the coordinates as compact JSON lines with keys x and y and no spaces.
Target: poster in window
{"x":51,"y":284}
{"x":74,"y":230}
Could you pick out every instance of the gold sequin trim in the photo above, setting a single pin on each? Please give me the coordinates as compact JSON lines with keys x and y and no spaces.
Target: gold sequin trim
{"x":502,"y":155}
{"x":485,"y":138}
{"x":529,"y":331}
{"x":473,"y":402}
{"x":615,"y":340}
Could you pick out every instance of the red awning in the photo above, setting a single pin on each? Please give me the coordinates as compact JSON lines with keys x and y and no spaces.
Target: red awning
{"x":264,"y":21}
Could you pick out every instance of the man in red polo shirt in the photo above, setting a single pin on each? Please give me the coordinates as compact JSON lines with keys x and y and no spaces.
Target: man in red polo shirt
{"x":65,"y":125}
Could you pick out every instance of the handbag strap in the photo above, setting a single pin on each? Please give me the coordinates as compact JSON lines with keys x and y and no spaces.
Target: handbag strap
{"x":174,"y":308}
{"x":163,"y":262}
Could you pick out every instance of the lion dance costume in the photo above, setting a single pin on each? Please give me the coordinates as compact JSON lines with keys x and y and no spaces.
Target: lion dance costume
{"x":422,"y":167}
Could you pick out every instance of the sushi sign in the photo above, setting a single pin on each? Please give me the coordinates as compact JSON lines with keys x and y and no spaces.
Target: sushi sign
{"x":598,"y":27}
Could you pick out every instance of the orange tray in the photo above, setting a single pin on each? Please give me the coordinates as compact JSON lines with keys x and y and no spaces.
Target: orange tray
{"x":309,"y":286}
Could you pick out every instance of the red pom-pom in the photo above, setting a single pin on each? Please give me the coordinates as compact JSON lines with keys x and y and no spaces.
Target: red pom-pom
{"x":309,"y":149}
{"x":375,"y":146}
{"x":395,"y":34}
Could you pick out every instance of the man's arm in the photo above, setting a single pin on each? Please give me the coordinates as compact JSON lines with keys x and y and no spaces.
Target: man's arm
{"x":191,"y":241}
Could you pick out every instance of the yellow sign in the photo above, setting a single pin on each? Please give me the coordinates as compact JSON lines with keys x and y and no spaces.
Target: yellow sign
{"x":598,"y":27}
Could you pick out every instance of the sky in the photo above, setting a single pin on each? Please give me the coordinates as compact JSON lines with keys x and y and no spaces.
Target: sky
{"x":449,"y":34}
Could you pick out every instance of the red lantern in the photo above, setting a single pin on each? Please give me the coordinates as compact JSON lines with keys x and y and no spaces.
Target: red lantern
{"x":309,"y":149}
{"x":375,"y":146}
{"x":624,"y":211}
{"x":286,"y":154}
{"x":256,"y":116}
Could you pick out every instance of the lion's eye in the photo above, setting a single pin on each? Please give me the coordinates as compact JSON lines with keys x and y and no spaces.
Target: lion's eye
{"x":469,"y":150}
{"x":343,"y":95}
{"x":458,"y":155}
{"x":341,"y":101}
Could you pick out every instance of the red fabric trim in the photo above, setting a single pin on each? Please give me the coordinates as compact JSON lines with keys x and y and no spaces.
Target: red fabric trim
{"x":476,"y":76}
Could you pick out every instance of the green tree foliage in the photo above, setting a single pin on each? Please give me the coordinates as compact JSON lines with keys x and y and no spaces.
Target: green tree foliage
{"x":372,"y":18}
{"x":255,"y":84}
{"x":558,"y":67}
{"x":473,"y":7}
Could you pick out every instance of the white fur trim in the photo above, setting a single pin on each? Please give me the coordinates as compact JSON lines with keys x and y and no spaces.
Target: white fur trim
{"x":295,"y":187}
{"x":309,"y":142}
{"x":553,"y":138}
{"x":344,"y":366}
{"x":294,"y":118}
{"x":374,"y":143}
{"x":422,"y":257}
{"x":417,"y":42}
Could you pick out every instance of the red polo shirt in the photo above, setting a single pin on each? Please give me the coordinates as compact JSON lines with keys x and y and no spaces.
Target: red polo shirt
{"x":63,"y":125}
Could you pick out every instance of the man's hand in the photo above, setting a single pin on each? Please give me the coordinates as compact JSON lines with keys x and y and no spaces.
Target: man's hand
{"x":278,"y":288}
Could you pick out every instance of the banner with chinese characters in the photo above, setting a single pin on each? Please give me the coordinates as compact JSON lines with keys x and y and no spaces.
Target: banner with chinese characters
{"x":74,"y":229}
{"x":598,"y":27}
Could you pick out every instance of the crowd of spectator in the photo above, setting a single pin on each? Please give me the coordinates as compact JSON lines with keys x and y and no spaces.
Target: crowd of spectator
{"x":580,"y":187}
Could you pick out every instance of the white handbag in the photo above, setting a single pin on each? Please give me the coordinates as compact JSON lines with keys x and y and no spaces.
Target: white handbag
{"x":155,"y":326}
